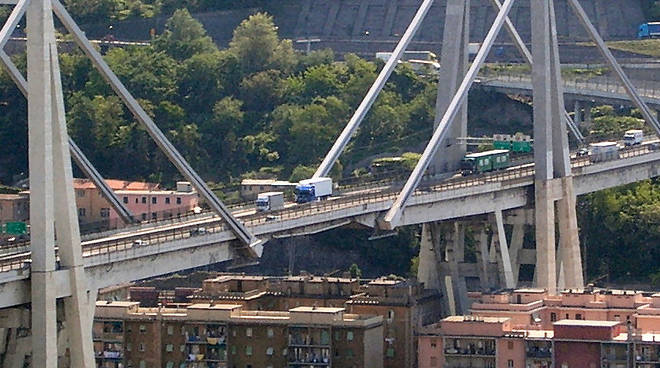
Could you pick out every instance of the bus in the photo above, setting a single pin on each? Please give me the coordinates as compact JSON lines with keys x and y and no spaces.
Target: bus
{"x":481,"y":162}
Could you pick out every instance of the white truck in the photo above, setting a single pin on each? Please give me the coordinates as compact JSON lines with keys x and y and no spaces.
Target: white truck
{"x":603,"y":151}
{"x":310,"y":190}
{"x":270,"y":201}
{"x":633,"y":137}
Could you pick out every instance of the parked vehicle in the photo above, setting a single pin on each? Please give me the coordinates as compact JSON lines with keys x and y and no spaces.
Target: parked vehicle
{"x":477,"y":163}
{"x":603,"y":151}
{"x":140,"y":243}
{"x":198,"y":231}
{"x":582,"y":152}
{"x":270,"y":201}
{"x":649,"y":30}
{"x":314,"y":189}
{"x":633,"y":137}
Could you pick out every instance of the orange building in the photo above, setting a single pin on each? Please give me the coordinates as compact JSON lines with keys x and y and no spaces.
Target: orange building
{"x":529,"y":328}
{"x":14,"y":207}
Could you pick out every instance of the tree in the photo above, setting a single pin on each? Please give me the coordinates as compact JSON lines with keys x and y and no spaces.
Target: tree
{"x":258,"y":46}
{"x":301,"y":172}
{"x":355,"y":271}
{"x":261,"y":91}
{"x":184,"y":37}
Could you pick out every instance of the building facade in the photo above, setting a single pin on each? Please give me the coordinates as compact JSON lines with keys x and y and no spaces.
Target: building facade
{"x":14,"y":207}
{"x":227,"y":335}
{"x":404,"y":305}
{"x":528,"y":328}
{"x":146,"y":201}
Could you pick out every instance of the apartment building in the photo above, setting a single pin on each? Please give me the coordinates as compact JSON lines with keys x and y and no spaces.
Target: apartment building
{"x":14,"y":207}
{"x":146,"y":201}
{"x":404,"y":305}
{"x":529,"y":328}
{"x":228,"y":335}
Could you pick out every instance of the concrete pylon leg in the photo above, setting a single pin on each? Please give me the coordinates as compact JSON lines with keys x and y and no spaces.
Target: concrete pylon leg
{"x":588,"y":119}
{"x":517,"y":237}
{"x":454,"y":248}
{"x":509,"y":282}
{"x":571,"y":258}
{"x":577,"y":113}
{"x":40,"y":36}
{"x":482,"y":259}
{"x":427,"y":271}
{"x":453,"y":66}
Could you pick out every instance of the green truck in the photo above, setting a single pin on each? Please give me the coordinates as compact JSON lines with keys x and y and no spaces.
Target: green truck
{"x":14,"y":228}
{"x":481,"y":162}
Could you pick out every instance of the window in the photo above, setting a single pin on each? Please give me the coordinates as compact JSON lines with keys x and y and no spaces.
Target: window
{"x":144,"y":217}
{"x":154,"y":215}
{"x":617,"y":317}
{"x":434,"y":344}
{"x":248,"y":332}
{"x":509,"y":363}
{"x":105,"y":212}
{"x":434,"y":362}
{"x":509,"y":345}
{"x":169,"y":365}
{"x":390,"y":316}
{"x":182,"y":348}
{"x":170,"y":330}
{"x":81,"y":212}
{"x":81,"y":193}
{"x":143,"y":364}
{"x":169,"y":348}
{"x":167,"y":200}
{"x":144,"y":199}
{"x":553,"y":317}
{"x":128,"y":347}
{"x":337,"y":335}
{"x":269,"y":351}
{"x":143,"y":328}
{"x":137,"y":200}
{"x":285,"y":351}
{"x":125,"y":199}
{"x":349,"y":335}
{"x":390,"y":353}
{"x":567,"y":317}
{"x":269,"y":332}
{"x":154,"y":200}
{"x":141,"y":347}
{"x":178,"y":200}
{"x":337,"y":353}
{"x":233,"y":350}
{"x":578,"y":316}
{"x":248,"y":350}
{"x":349,"y":353}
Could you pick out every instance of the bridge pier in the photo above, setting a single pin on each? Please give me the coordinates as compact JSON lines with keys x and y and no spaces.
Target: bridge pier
{"x":453,"y":67}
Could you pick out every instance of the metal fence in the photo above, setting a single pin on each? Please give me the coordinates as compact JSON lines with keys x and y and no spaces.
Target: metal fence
{"x":430,"y":192}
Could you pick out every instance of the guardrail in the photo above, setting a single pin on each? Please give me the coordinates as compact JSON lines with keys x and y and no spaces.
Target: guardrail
{"x":645,"y":88}
{"x":155,"y":239}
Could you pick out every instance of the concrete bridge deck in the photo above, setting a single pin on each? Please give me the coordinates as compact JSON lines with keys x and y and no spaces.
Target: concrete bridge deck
{"x":173,"y":248}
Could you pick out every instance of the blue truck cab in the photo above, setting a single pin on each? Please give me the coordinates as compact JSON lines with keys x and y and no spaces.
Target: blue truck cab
{"x":305,"y":193}
{"x":649,"y":30}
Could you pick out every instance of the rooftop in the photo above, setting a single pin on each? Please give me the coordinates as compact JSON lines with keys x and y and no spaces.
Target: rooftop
{"x":476,"y":319}
{"x":329,"y":310}
{"x":115,"y":184}
{"x":585,"y":323}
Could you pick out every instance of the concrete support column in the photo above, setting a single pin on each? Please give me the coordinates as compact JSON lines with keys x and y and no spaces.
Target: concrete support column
{"x":505,"y":260}
{"x":569,"y":241}
{"x":427,"y":269}
{"x":454,"y":254}
{"x":588,"y":119}
{"x":482,"y":259}
{"x":453,"y":66}
{"x":577,"y":113}
{"x":517,"y":238}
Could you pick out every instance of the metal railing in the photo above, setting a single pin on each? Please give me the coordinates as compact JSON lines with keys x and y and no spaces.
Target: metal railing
{"x":154,"y":240}
{"x":646,"y":88}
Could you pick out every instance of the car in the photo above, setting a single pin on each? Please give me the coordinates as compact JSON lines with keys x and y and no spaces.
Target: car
{"x":582,"y":152}
{"x":140,"y":243}
{"x":272,"y":218}
{"x":654,"y":146}
{"x":198,"y":231}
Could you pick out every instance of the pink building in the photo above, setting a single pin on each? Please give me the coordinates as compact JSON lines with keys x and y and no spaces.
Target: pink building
{"x":527,"y":328}
{"x":146,"y":201}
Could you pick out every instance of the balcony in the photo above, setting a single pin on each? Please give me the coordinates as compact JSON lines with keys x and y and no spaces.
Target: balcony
{"x":109,"y":354}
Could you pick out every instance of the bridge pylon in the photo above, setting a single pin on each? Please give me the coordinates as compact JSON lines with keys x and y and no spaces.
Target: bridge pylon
{"x":52,"y":197}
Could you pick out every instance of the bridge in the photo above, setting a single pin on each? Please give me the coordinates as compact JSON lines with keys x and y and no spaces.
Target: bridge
{"x":44,"y":271}
{"x":586,"y":92}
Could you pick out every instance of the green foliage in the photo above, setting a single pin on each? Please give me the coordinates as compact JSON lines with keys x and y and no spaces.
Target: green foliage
{"x":608,"y":125}
{"x":355,"y":271}
{"x":620,"y":230}
{"x":301,"y":172}
{"x":184,"y":37}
